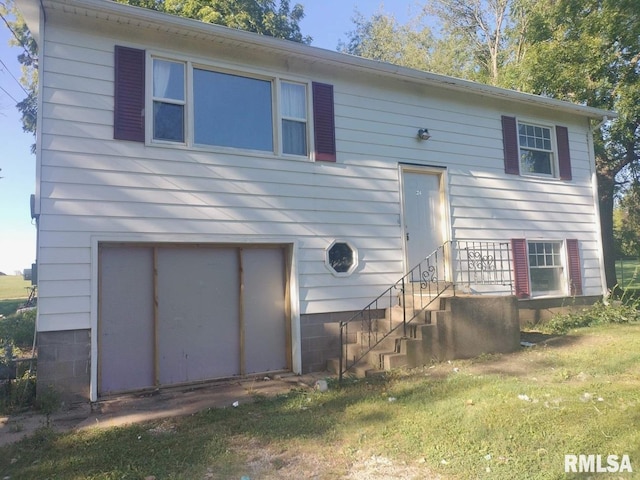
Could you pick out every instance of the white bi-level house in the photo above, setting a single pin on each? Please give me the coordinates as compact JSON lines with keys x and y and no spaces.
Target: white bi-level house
{"x":211,"y":201}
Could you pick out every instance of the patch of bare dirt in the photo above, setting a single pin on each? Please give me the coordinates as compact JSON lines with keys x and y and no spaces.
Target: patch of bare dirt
{"x":265,"y":463}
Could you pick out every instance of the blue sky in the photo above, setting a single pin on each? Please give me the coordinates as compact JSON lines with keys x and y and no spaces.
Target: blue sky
{"x":327,"y":21}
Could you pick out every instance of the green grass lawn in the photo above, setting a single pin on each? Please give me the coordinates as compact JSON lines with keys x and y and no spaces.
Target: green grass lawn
{"x":499,"y":417}
{"x":13,"y":292}
{"x":628,"y":273}
{"x":13,"y":287}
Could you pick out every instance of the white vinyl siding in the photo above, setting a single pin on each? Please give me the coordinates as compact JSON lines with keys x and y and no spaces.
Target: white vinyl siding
{"x":95,"y":187}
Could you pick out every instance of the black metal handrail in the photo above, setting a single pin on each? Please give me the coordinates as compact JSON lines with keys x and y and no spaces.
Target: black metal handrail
{"x":477,"y":263}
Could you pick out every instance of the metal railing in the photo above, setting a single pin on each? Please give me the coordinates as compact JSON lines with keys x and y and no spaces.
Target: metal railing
{"x":475,"y":263}
{"x":483,"y":263}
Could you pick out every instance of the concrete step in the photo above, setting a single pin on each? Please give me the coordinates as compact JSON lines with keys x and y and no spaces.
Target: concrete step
{"x":360,"y":370}
{"x":393,"y":360}
{"x":365,"y":370}
{"x":333,"y":365}
{"x":418,"y":348}
{"x":419,"y":298}
{"x":398,"y":314}
{"x":386,"y":343}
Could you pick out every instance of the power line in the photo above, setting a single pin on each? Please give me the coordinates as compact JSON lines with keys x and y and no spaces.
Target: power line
{"x":9,"y":95}
{"x":15,"y":35}
{"x":12,"y":76}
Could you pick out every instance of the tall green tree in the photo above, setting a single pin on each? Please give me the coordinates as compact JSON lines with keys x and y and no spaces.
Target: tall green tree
{"x":472,"y":39}
{"x":382,"y":38}
{"x":588,"y":51}
{"x":28,"y":58}
{"x":482,"y":26}
{"x":266,"y":17}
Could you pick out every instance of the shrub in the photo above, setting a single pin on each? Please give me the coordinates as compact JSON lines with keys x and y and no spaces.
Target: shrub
{"x":18,"y":328}
{"x":626,"y":310}
{"x":48,"y":402}
{"x":18,"y":394}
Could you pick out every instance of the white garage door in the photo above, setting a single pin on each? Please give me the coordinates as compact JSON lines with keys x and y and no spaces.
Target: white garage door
{"x":175,"y":315}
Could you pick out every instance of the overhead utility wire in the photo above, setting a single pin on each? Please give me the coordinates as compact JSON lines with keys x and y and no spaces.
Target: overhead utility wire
{"x":9,"y":95}
{"x":15,"y":35}
{"x":12,"y":76}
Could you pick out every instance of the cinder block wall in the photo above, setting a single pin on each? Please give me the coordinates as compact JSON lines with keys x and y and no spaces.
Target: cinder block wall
{"x":64,"y":364}
{"x":320,"y":335}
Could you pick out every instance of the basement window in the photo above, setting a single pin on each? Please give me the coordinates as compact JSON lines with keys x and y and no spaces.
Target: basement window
{"x":341,"y":258}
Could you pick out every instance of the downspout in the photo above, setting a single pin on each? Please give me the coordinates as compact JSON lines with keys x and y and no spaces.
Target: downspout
{"x":37,"y":200}
{"x":596,"y":203}
{"x":596,"y":127}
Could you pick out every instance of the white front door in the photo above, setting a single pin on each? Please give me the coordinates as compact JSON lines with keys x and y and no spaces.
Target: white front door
{"x":423,"y":217}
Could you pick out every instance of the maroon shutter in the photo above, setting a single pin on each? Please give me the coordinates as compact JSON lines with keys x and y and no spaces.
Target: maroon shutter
{"x":128,"y":118}
{"x":521,"y":267}
{"x":510,"y":144}
{"x":564,"y":158}
{"x":575,"y":274}
{"x":324,"y":123}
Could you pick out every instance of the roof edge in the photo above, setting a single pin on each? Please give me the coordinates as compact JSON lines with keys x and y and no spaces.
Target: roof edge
{"x":163,"y":20}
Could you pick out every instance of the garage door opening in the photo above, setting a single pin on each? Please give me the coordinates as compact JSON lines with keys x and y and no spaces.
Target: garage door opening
{"x":171,"y":315}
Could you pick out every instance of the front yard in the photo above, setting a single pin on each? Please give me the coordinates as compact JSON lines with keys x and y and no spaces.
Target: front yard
{"x":500,"y":417}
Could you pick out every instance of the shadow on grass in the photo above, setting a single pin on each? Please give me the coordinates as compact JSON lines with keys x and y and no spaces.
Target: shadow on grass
{"x":188,"y":446}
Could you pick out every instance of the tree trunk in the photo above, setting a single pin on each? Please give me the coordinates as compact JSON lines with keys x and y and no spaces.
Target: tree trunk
{"x":606,"y":193}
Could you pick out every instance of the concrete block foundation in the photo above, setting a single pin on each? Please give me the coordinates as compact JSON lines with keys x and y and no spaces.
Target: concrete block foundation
{"x":64,"y":364}
{"x":320,"y":334}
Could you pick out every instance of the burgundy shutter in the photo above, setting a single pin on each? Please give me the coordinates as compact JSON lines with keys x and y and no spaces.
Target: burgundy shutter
{"x":575,"y":274}
{"x":510,"y":144}
{"x":324,"y":123}
{"x":521,"y":267}
{"x":564,"y":158}
{"x":128,"y":121}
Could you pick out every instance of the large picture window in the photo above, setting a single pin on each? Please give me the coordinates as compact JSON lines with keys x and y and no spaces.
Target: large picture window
{"x":232,"y":111}
{"x":536,"y":152}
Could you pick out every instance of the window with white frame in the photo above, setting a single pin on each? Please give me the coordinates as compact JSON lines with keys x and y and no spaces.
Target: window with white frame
{"x":232,"y":111}
{"x":229,"y":110}
{"x":293,"y":109}
{"x":168,"y":100}
{"x":546,"y":268}
{"x":536,"y":149}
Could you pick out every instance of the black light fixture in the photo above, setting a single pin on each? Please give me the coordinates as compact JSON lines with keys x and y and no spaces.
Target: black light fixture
{"x":423,"y":134}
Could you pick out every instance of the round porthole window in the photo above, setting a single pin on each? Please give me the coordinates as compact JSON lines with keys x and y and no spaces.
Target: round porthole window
{"x":341,"y":258}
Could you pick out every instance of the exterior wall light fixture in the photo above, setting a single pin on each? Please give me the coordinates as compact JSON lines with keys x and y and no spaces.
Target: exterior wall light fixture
{"x":423,"y":134}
